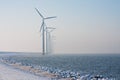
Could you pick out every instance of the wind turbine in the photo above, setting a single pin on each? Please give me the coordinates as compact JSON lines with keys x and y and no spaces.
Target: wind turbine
{"x":42,"y":28}
{"x":49,"y":39}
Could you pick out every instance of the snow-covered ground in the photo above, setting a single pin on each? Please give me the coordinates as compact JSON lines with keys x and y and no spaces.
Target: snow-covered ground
{"x":9,"y":73}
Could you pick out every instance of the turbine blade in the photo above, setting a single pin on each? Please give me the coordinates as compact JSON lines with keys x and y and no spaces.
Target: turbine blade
{"x":50,"y":28}
{"x":41,"y":26}
{"x":45,"y":27}
{"x":50,"y":17}
{"x":39,"y":12}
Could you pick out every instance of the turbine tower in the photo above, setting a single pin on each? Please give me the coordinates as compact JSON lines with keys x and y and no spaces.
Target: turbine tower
{"x":42,"y":28}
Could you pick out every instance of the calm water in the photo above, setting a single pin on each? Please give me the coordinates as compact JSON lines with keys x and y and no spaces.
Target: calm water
{"x":106,"y":65}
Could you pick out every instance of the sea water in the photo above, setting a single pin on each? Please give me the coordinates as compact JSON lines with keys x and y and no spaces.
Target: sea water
{"x":106,"y":65}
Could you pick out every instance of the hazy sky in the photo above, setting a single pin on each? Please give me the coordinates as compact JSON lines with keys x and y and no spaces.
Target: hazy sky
{"x":82,"y":26}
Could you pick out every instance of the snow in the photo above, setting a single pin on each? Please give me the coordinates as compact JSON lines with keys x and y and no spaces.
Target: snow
{"x":9,"y":73}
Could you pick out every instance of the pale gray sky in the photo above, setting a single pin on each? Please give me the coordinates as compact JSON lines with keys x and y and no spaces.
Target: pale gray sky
{"x":82,"y":26}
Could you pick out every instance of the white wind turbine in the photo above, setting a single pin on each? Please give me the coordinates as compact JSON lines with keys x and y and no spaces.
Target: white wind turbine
{"x":49,"y":39}
{"x":42,"y":28}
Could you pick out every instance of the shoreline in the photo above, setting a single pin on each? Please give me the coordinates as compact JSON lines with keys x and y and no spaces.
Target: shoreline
{"x":33,"y":71}
{"x":9,"y":73}
{"x":51,"y":73}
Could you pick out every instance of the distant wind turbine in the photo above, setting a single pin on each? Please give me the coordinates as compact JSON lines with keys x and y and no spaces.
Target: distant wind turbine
{"x":49,"y":39}
{"x":42,"y":28}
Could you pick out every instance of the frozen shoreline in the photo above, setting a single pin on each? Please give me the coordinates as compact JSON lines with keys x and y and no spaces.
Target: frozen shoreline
{"x":9,"y":73}
{"x":48,"y":73}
